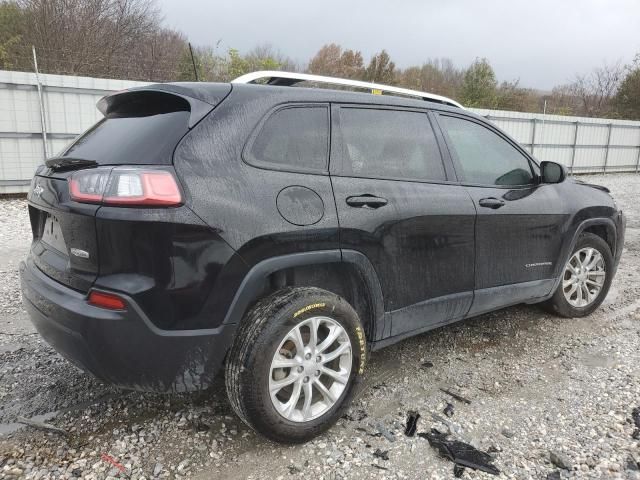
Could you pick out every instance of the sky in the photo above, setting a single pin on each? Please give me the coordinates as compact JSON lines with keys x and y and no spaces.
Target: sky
{"x":541,"y":43}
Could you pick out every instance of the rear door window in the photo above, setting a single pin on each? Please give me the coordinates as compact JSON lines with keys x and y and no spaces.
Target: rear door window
{"x":293,"y":138}
{"x":393,"y":144}
{"x":144,"y":128}
{"x":484,"y":156}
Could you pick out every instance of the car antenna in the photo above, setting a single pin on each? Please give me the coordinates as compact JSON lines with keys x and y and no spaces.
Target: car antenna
{"x":193,"y":62}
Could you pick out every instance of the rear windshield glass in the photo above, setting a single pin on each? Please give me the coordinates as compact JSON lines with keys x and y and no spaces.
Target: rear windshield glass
{"x":140,"y":128}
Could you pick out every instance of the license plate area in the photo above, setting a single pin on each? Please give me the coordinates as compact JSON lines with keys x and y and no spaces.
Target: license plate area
{"x":52,"y":234}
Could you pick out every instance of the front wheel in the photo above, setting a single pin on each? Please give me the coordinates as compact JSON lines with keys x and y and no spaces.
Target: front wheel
{"x":296,"y":359}
{"x":586,"y":278}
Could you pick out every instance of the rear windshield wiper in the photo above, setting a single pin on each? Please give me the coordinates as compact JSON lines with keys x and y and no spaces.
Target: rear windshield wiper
{"x":62,"y":164}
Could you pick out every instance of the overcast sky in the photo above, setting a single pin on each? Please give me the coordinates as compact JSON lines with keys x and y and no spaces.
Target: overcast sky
{"x":541,"y":42}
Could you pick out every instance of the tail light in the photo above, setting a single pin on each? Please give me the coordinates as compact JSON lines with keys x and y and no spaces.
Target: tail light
{"x":125,"y":186}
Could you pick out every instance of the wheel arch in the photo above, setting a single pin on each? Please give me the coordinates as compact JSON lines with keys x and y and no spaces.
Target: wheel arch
{"x":597,"y":226}
{"x":604,"y":230}
{"x":348,"y":273}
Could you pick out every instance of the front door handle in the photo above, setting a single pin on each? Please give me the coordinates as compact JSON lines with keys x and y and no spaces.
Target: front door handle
{"x":366,"y":201}
{"x":491,"y":202}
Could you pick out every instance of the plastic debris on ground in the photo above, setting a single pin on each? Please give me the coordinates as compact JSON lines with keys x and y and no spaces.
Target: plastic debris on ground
{"x":382,"y":454}
{"x":385,"y":432}
{"x":635,"y":414}
{"x":452,"y":428}
{"x":460,"y":453}
{"x":355,"y":416}
{"x":448,"y":410}
{"x":412,"y":423}
{"x":457,"y":396}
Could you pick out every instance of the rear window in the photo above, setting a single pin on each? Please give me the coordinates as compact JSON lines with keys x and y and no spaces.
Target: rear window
{"x":293,"y":138}
{"x":139,"y":128}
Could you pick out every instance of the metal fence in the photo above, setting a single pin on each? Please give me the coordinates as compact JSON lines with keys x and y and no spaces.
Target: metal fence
{"x":33,"y":124}
{"x":66,"y":108}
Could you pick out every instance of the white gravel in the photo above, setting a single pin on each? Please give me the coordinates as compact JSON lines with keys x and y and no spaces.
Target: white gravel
{"x":549,"y":396}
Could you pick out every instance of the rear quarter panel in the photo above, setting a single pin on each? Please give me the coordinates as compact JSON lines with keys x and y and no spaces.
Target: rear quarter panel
{"x":238,"y":200}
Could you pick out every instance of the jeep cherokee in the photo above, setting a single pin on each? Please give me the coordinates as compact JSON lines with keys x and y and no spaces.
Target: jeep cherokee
{"x":286,"y":232}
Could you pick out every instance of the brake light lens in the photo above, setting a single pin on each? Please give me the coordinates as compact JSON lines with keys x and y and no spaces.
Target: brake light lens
{"x":109,"y":301}
{"x":125,"y":186}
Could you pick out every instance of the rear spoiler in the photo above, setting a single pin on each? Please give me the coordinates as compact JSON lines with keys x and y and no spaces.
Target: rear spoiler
{"x":198,"y":101}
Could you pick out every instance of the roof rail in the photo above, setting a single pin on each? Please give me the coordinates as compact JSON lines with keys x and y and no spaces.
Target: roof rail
{"x":291,"y":78}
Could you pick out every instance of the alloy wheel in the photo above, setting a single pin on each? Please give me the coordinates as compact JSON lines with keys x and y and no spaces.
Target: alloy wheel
{"x":310,"y":369}
{"x":584,"y":277}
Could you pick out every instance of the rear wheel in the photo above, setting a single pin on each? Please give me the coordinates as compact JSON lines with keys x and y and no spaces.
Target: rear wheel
{"x":297,"y":357}
{"x":586,"y":278}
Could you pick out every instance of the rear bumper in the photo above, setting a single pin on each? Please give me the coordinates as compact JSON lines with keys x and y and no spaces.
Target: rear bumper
{"x":121,"y":347}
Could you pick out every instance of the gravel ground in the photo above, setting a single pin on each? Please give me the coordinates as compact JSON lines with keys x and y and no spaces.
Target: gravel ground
{"x":550,"y":397}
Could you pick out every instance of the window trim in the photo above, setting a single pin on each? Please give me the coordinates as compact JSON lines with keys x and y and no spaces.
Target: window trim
{"x":336,"y":166}
{"x":458,"y":166}
{"x":249,"y":159}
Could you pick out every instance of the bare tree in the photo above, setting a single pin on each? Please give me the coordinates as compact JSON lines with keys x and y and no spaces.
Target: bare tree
{"x":595,"y":90}
{"x":160,"y":54}
{"x":97,"y":37}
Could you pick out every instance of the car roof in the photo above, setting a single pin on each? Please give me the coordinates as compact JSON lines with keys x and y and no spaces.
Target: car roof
{"x":211,"y":92}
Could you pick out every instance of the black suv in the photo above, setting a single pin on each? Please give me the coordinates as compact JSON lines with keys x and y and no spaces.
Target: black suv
{"x":285,"y":232}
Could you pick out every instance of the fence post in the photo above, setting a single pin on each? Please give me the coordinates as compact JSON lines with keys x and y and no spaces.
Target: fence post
{"x":533,"y":135}
{"x":638,"y":159}
{"x":575,"y":145}
{"x":43,"y":124}
{"x":606,"y":154}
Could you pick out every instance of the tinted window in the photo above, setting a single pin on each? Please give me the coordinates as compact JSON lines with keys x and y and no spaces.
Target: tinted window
{"x":484,"y":156}
{"x":142,"y":128}
{"x":295,"y":137}
{"x":389,"y":143}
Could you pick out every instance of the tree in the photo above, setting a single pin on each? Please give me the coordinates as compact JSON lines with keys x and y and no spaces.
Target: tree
{"x":352,"y":65}
{"x":117,"y":38}
{"x":12,"y":25}
{"x":479,"y":85}
{"x":331,"y":60}
{"x":238,"y":64}
{"x":160,"y":54}
{"x":627,"y":99}
{"x":326,"y":61}
{"x":437,"y":76}
{"x":562,"y":101}
{"x":265,"y":57}
{"x":510,"y":96}
{"x":381,"y":69}
{"x":595,"y":90}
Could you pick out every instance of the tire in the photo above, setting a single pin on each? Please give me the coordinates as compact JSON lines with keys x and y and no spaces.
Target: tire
{"x":559,"y":304}
{"x":269,"y":328}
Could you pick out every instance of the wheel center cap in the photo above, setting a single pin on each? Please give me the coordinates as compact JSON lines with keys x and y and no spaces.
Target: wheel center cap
{"x":310,"y":367}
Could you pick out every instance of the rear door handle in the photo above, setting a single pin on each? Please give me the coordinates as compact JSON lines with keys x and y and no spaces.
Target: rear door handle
{"x":491,"y":202}
{"x":366,"y":201}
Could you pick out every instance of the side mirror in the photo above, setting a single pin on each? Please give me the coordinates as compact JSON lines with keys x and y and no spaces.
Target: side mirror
{"x":552,"y":172}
